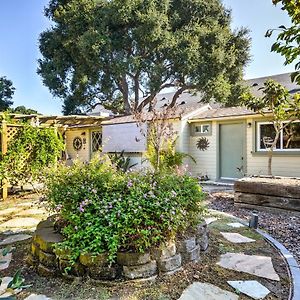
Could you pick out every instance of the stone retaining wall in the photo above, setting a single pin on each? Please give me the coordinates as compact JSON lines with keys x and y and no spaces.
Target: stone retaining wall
{"x":159,"y":261}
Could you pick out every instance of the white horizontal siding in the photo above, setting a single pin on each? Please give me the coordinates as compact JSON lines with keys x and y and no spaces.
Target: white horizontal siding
{"x":206,"y":160}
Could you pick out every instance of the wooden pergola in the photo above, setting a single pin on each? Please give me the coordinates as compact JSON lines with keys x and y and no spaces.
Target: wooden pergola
{"x":9,"y":130}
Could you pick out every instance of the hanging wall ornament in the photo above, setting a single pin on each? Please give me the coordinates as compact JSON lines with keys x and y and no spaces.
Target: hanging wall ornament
{"x":77,"y":143}
{"x":202,"y":144}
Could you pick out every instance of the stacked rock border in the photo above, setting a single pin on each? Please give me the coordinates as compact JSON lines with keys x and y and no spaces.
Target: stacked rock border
{"x":165,"y":260}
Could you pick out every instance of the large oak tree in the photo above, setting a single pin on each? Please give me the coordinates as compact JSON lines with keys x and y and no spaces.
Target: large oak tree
{"x":113,"y":52}
{"x":7,"y":91}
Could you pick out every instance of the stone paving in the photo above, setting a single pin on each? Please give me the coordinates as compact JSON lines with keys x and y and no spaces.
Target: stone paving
{"x":236,"y":238}
{"x":260,"y":266}
{"x":17,"y":220}
{"x":251,"y":288}
{"x":198,"y":291}
{"x":13,"y":239}
{"x":257,"y":265}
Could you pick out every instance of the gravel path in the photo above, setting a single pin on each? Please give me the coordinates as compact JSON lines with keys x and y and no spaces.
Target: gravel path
{"x":282,"y":226}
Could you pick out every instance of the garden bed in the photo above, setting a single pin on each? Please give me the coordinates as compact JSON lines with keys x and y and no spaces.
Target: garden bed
{"x":165,"y":260}
{"x":268,"y":192}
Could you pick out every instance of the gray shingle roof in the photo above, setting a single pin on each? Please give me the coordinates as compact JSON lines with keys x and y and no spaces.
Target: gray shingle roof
{"x":188,"y":103}
{"x":223,"y":112}
{"x":284,"y":79}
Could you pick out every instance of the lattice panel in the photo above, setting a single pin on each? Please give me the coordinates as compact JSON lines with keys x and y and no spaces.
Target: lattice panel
{"x":11,"y":132}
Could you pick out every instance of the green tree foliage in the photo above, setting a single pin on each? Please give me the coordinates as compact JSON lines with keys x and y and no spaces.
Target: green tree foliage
{"x":23,"y":110}
{"x":7,"y":91}
{"x":112,"y":52}
{"x":278,"y":106}
{"x":288,"y":40}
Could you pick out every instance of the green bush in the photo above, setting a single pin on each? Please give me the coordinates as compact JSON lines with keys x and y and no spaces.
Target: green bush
{"x":105,"y":210}
{"x":30,"y":151}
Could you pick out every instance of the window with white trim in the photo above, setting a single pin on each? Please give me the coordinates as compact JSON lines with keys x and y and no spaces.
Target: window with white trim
{"x":289,"y":139}
{"x":96,"y":140}
{"x":203,"y":128}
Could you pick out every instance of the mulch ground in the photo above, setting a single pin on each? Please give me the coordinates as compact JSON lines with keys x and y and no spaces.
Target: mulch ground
{"x":283,"y":226}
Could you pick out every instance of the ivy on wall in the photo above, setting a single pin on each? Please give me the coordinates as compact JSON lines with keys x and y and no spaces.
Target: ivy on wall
{"x":29,"y":152}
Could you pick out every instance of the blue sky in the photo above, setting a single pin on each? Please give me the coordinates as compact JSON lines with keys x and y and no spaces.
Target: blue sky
{"x":22,"y":21}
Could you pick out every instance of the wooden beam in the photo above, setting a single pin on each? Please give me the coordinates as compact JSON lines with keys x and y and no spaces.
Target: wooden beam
{"x":4,"y":184}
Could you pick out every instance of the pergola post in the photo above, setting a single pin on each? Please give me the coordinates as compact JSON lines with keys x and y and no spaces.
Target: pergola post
{"x":4,"y":183}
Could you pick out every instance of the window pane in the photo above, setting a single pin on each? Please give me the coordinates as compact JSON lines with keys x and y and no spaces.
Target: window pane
{"x":205,"y":129}
{"x":267,"y":136}
{"x":96,"y":140}
{"x":291,"y":136}
{"x":198,"y":129}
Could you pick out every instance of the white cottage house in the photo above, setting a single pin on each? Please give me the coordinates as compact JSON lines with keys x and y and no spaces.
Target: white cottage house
{"x":233,"y":137}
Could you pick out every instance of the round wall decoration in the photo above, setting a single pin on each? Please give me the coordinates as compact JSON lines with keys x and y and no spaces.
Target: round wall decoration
{"x":77,"y":143}
{"x":202,"y":144}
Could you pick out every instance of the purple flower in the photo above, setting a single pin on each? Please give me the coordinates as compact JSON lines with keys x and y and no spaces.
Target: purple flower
{"x":83,"y":204}
{"x":174,"y":194}
{"x":129,"y":183}
{"x":58,"y":208}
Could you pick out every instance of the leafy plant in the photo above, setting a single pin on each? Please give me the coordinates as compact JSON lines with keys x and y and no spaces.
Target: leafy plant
{"x":121,"y":162}
{"x":170,"y":159}
{"x":288,"y":42}
{"x":31,"y":150}
{"x":108,"y":211}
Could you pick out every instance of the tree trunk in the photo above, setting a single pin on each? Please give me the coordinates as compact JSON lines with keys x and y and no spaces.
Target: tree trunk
{"x":270,"y":158}
{"x":270,"y":153}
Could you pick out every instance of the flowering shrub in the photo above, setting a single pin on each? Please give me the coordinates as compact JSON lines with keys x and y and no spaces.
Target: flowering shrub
{"x":105,"y":210}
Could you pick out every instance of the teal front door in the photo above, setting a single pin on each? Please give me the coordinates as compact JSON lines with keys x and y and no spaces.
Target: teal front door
{"x":232,"y":143}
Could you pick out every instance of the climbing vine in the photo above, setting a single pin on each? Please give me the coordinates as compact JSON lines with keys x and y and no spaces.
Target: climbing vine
{"x":29,"y":152}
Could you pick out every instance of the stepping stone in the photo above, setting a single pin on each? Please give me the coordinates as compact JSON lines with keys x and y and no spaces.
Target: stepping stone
{"x":236,"y":238}
{"x":8,"y":211}
{"x":26,"y":204}
{"x":20,"y":222}
{"x":37,"y":297}
{"x":4,"y":284}
{"x":236,"y":225}
{"x":210,"y":220}
{"x":251,"y":288}
{"x":15,"y":238}
{"x":260,"y":266}
{"x":5,"y":260}
{"x":206,"y":291}
{"x":32,"y":211}
{"x":7,"y":296}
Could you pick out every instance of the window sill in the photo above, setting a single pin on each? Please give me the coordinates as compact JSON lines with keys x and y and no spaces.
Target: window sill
{"x":276,"y":153}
